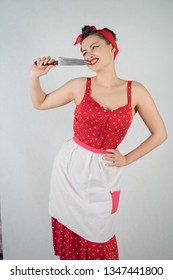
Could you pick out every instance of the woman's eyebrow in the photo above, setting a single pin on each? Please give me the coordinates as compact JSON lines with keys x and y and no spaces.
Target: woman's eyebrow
{"x":90,"y":46}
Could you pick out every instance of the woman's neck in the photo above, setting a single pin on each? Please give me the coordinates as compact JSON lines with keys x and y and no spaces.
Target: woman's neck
{"x":107,"y":77}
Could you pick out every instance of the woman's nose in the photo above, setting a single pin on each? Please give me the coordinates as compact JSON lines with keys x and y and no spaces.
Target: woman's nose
{"x":89,"y":56}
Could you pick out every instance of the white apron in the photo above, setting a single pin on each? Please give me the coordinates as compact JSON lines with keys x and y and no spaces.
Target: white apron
{"x":84,"y":192}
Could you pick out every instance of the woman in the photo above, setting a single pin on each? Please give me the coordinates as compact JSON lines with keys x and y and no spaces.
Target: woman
{"x":85,"y":182}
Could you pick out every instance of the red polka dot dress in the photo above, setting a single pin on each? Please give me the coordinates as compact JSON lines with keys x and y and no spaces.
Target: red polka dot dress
{"x":98,"y":127}
{"x":85,"y":193}
{"x":70,"y":246}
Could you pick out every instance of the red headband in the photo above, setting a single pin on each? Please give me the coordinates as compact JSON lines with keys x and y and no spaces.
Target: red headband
{"x":105,"y":33}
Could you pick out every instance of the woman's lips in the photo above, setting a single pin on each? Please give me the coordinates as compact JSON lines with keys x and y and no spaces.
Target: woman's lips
{"x":93,"y":61}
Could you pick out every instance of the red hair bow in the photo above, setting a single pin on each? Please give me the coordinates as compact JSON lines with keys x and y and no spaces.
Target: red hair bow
{"x":105,"y":33}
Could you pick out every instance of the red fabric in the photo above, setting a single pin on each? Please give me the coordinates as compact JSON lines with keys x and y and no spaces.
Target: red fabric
{"x":70,"y":246}
{"x":98,"y":127}
{"x":105,"y":33}
{"x":115,"y":200}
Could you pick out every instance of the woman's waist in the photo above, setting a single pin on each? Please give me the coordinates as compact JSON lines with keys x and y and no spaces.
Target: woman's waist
{"x":89,"y":147}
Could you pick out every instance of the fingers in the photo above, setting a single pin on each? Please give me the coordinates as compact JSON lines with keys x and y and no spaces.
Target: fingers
{"x":112,"y":150}
{"x":44,"y":61}
{"x":113,"y":158}
{"x":40,"y":61}
{"x":48,"y":60}
{"x":110,"y":157}
{"x":41,"y":66}
{"x":111,"y":161}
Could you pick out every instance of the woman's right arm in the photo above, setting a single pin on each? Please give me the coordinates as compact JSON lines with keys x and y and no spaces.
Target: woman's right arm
{"x":40,"y":99}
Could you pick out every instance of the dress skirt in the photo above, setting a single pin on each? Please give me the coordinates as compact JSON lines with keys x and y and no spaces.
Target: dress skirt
{"x":70,"y":246}
{"x":84,"y":194}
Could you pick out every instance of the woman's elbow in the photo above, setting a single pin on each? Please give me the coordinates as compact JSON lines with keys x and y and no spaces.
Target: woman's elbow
{"x":38,"y":107}
{"x":165,"y":136}
{"x":162,"y":136}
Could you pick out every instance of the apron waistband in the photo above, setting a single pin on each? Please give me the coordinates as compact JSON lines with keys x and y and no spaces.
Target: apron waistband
{"x":89,"y":148}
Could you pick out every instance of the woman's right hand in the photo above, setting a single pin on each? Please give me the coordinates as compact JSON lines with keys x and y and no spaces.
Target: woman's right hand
{"x":40,"y":69}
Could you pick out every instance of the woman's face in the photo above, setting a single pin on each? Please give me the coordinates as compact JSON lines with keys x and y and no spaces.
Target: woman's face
{"x":97,"y":51}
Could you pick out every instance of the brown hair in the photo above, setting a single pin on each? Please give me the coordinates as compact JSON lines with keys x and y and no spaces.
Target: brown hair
{"x":88,"y":30}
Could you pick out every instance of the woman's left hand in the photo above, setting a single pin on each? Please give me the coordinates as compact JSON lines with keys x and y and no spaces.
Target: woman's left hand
{"x":115,"y":157}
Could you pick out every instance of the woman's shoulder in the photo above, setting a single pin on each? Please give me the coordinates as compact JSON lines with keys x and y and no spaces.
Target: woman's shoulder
{"x":139,"y":90}
{"x":135,"y":84}
{"x":140,"y":93}
{"x":78,"y":82}
{"x":78,"y":86}
{"x":138,"y":86}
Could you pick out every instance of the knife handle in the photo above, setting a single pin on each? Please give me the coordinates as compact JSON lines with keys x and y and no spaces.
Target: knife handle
{"x":55,"y":62}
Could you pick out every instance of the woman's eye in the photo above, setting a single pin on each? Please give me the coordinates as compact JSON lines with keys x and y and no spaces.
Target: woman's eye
{"x":93,"y":47}
{"x":96,"y":46}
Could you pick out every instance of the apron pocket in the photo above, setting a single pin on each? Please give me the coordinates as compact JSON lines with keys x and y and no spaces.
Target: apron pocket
{"x":115,"y":200}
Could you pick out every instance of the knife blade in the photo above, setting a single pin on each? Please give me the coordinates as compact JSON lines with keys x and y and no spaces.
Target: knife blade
{"x":67,"y":61}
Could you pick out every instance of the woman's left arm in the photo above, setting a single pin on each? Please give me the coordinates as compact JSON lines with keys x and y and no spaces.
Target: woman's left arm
{"x":144,"y":104}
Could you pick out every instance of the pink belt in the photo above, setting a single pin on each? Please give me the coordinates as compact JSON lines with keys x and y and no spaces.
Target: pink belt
{"x":89,"y":148}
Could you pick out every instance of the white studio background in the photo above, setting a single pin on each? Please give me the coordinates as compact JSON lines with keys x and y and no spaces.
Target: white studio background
{"x":30,"y":139}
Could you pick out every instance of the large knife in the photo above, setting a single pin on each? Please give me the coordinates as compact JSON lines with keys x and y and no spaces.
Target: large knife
{"x":67,"y":61}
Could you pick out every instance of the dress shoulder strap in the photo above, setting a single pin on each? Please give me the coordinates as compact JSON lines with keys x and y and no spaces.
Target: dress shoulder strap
{"x":88,"y":86}
{"x":129,"y":92}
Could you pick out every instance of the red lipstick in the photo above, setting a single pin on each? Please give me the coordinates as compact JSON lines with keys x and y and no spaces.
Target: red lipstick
{"x":93,"y":61}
